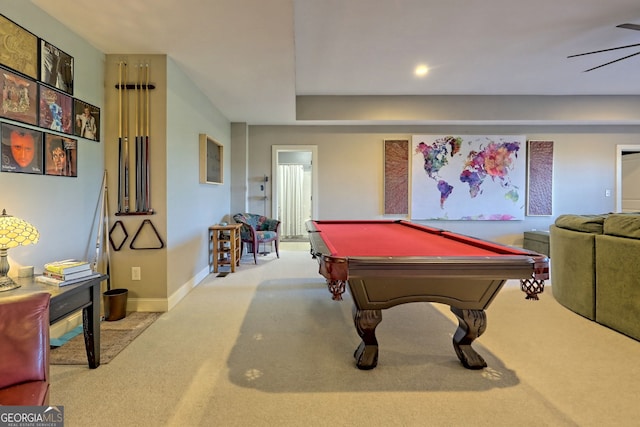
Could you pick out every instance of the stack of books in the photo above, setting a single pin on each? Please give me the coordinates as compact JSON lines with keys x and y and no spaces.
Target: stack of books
{"x":66,"y":272}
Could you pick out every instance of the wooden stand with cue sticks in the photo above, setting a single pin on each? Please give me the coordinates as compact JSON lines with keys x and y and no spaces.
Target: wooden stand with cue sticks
{"x":142,"y":205}
{"x":141,"y":89}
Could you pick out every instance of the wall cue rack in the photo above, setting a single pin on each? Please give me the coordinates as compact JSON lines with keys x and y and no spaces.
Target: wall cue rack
{"x":135,"y":86}
{"x":131,"y":213}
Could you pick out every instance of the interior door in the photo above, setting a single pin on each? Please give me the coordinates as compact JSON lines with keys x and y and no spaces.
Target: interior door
{"x":294,"y":188}
{"x":627,"y":176}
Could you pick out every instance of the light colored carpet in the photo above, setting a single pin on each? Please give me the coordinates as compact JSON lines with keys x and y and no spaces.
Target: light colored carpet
{"x":266,"y":346}
{"x":114,"y":337}
{"x":293,"y":330}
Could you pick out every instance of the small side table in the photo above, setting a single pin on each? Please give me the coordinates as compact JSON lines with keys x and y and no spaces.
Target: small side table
{"x":224,"y":246}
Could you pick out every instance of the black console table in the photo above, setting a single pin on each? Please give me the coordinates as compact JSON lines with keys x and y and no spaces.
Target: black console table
{"x":67,"y":300}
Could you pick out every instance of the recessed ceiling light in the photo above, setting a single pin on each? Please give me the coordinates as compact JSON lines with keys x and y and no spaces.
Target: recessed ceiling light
{"x":421,"y":70}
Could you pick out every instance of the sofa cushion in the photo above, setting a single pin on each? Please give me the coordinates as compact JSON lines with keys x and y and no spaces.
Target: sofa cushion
{"x":267,"y":235}
{"x":584,"y":223}
{"x":623,"y":225}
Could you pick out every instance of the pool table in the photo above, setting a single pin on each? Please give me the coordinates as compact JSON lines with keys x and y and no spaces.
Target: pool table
{"x":390,"y":262}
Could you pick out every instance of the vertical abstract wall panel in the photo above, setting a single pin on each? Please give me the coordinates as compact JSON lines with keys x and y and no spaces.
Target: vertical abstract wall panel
{"x":540,"y":178}
{"x":396,"y":177}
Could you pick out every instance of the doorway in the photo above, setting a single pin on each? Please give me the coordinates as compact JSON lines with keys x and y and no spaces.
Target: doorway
{"x":294,"y":201}
{"x":627,"y":178}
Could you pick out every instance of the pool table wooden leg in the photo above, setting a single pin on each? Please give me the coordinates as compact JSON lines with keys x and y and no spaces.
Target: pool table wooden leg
{"x":366,"y":321}
{"x":471,"y":324}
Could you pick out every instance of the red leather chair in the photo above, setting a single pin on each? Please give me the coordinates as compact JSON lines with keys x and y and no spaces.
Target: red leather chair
{"x":24,"y":354}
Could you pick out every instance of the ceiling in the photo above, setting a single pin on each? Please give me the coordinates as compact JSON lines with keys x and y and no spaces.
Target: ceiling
{"x":252,"y":57}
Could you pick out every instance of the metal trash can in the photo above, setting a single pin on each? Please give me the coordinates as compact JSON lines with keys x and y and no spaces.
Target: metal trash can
{"x":115,"y":304}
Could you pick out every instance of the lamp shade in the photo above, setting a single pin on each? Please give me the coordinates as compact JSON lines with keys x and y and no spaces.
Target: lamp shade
{"x":16,"y":232}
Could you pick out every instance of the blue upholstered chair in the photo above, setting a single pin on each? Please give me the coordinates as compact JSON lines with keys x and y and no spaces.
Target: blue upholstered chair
{"x":257,"y":229}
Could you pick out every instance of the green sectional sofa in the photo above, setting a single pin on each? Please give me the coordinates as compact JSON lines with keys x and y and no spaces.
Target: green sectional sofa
{"x":596,"y":268}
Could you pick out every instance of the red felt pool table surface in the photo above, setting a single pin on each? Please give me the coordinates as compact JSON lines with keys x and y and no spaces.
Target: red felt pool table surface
{"x":384,"y":238}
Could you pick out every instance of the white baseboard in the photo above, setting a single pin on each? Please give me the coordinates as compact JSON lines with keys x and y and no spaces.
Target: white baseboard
{"x":166,"y":304}
{"x":135,"y":304}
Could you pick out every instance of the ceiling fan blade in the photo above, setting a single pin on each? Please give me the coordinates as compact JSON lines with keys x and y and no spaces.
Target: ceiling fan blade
{"x":604,"y":50}
{"x":611,"y":62}
{"x":629,"y":26}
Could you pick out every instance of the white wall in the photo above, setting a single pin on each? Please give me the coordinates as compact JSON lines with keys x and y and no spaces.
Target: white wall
{"x":192,"y":207}
{"x":351,"y":169}
{"x":61,"y":208}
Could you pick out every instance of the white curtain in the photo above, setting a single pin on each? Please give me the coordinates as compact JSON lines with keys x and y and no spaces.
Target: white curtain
{"x":291,"y":201}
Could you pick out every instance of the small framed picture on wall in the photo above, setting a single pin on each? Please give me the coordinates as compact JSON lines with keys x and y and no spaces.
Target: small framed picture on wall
{"x":211,"y":160}
{"x":56,"y":110}
{"x":19,"y":48}
{"x":56,"y":67}
{"x":87,"y":120}
{"x":61,"y":155}
{"x":19,"y":98}
{"x":21,"y":149}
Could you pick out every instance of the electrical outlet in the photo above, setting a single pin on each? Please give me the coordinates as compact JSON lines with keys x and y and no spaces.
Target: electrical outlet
{"x":135,"y":273}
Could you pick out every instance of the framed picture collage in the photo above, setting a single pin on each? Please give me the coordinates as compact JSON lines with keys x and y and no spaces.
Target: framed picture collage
{"x":36,"y":79}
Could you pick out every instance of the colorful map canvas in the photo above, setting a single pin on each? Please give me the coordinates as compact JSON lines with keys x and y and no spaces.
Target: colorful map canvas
{"x":468,"y":177}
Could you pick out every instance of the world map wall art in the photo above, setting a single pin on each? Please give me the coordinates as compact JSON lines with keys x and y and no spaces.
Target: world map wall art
{"x":468,"y":177}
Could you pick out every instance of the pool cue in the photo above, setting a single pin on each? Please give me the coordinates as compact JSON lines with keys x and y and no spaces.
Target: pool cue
{"x":100,"y":214}
{"x":143,"y":154}
{"x":138,"y":90}
{"x":101,"y":219}
{"x":103,"y":232}
{"x":120,"y":180}
{"x":126,"y":140}
{"x":107,"y":266}
{"x":147,"y":174}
